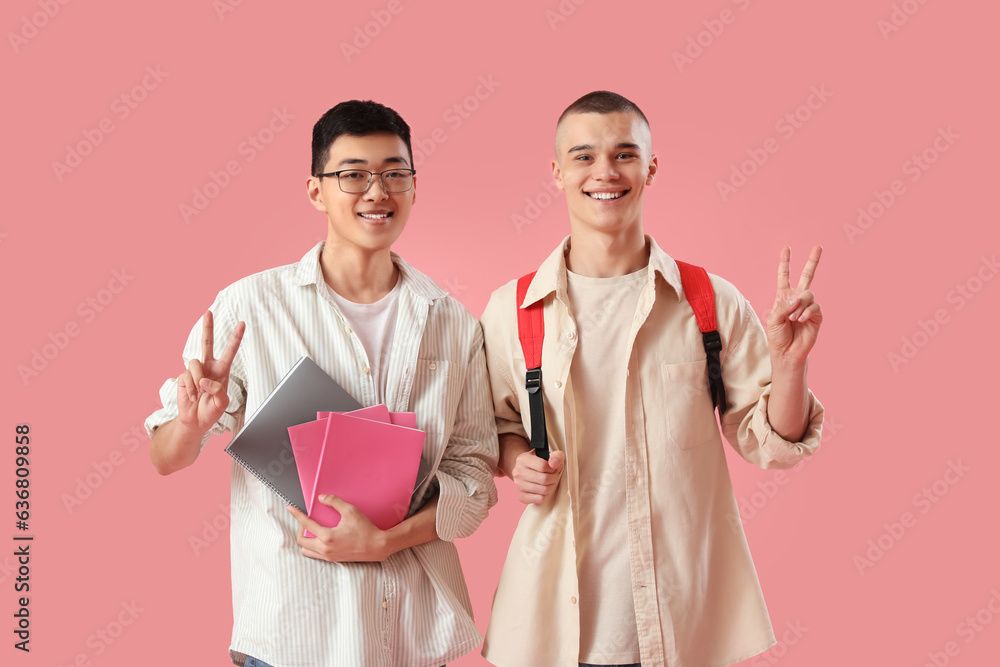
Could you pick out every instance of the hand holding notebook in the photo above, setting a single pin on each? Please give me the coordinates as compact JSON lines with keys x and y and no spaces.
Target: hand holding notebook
{"x":369,"y":464}
{"x":366,"y":457}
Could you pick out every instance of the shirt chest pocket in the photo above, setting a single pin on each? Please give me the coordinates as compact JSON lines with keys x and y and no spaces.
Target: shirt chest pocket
{"x":431,"y":396}
{"x":688,"y":412}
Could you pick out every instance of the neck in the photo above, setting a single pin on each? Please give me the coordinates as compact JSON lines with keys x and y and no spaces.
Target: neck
{"x":600,"y":254}
{"x":356,"y":274}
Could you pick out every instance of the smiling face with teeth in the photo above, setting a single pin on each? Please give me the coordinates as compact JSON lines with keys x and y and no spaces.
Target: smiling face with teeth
{"x":369,"y":221}
{"x":604,"y":163}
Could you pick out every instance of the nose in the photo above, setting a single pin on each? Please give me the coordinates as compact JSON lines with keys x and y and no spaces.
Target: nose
{"x":376,"y":192}
{"x":604,"y":169}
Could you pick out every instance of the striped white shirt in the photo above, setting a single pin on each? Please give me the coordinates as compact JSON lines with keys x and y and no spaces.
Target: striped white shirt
{"x":412,"y":609}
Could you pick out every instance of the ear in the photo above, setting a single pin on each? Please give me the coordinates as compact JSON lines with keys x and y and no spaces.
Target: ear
{"x":413,"y":197}
{"x":315,"y":193}
{"x":653,"y":165}
{"x":557,"y":175}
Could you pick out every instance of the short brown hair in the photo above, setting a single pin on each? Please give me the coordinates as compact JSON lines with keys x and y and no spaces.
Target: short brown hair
{"x":603,"y":102}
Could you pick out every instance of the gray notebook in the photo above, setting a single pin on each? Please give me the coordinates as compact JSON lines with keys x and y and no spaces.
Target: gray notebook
{"x":262,"y":445}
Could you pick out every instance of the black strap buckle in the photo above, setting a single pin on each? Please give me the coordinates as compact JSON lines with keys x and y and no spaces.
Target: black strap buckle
{"x":713,"y":345}
{"x":533,"y":380}
{"x":712,"y":340}
{"x":539,"y":437}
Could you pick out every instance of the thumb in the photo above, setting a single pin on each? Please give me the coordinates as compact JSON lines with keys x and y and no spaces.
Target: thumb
{"x":782,"y":308}
{"x":215,"y":391}
{"x":335,"y":502}
{"x":789,"y":304}
{"x":207,"y":385}
{"x":556,"y":460}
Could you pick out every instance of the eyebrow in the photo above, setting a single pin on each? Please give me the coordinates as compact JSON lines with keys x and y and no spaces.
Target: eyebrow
{"x":588,"y":147}
{"x":395,"y":159}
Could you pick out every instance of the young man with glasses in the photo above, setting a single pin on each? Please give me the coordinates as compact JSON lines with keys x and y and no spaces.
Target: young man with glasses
{"x":631,"y":549}
{"x":354,"y":594}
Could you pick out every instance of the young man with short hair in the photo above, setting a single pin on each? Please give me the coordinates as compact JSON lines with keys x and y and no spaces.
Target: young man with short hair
{"x":630,"y":549}
{"x":354,"y":594}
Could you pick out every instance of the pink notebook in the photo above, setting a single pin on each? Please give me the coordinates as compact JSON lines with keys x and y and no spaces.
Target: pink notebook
{"x":307,"y":444}
{"x":407,"y":419}
{"x":369,"y":464}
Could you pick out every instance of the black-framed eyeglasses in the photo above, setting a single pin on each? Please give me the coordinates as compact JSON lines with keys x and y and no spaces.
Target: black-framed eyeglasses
{"x":356,"y":181}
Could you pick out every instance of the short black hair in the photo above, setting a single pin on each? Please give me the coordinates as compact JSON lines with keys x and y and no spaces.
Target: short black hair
{"x":356,"y":118}
{"x":603,"y":102}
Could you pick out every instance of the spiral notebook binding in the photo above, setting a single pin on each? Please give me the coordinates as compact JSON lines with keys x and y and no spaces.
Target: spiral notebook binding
{"x":264,"y":480}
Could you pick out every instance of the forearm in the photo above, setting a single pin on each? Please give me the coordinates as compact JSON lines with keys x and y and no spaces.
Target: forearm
{"x":174,"y":446}
{"x":788,"y":405}
{"x":511,"y":446}
{"x":412,"y":531}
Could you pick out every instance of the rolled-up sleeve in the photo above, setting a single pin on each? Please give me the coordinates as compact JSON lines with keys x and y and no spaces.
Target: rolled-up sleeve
{"x":746,"y":374}
{"x":232,"y":420}
{"x":466,"y":490}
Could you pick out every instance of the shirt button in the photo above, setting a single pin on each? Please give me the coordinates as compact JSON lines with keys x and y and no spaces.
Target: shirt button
{"x":364,"y":369}
{"x":573,"y":600}
{"x":433,"y":367}
{"x":347,"y":329}
{"x":571,"y":335}
{"x":385,"y":604}
{"x":558,"y":384}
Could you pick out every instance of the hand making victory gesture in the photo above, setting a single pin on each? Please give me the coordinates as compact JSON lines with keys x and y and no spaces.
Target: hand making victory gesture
{"x":795,"y":318}
{"x":202,"y":390}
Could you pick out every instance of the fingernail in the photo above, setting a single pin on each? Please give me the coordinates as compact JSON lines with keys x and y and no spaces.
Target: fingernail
{"x":791,"y":302}
{"x":323,"y":497}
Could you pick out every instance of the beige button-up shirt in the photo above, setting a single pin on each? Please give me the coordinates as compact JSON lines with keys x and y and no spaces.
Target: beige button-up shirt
{"x":698,"y":602}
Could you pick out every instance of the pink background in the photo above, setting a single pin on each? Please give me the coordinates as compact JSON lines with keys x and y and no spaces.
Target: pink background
{"x":891,"y":431}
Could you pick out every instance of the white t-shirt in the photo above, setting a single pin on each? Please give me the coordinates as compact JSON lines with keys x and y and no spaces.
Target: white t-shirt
{"x":374,"y":325}
{"x":604,"y":309}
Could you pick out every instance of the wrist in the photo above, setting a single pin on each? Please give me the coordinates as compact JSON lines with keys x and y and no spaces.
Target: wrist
{"x":189,"y":428}
{"x":511,"y":446}
{"x":788,"y":367}
{"x":505,"y":463}
{"x":384,"y":544}
{"x":188,"y":433}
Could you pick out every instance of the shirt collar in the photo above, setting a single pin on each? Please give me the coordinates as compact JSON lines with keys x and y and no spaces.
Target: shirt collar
{"x":551,"y":275}
{"x":309,"y":272}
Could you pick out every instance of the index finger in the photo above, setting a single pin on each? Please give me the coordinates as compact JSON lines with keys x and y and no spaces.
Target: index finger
{"x":207,"y":337}
{"x":305,"y":522}
{"x":233,"y":345}
{"x":810,"y":270}
{"x":783,"y":263}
